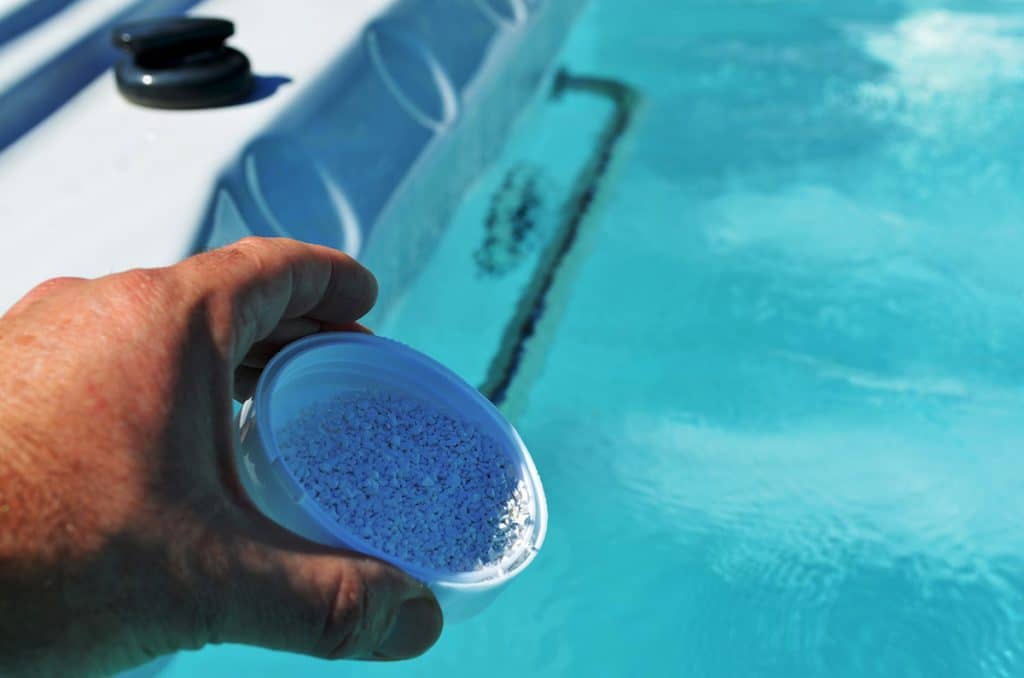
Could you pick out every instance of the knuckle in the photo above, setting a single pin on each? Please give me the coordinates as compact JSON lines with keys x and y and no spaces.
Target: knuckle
{"x":250,"y":241}
{"x":247,"y":253}
{"x":259,"y":263}
{"x":139,"y":283}
{"x":250,"y":250}
{"x":53,"y":284}
{"x":134,"y":294}
{"x":47,"y":288}
{"x":347,"y":628}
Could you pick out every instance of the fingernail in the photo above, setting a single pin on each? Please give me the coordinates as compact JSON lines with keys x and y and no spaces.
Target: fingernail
{"x":415,"y":630}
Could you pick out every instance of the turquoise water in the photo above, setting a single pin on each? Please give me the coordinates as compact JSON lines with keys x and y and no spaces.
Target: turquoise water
{"x":776,"y":393}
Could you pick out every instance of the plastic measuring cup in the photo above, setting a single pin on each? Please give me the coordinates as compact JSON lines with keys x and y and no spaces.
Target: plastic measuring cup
{"x":325,"y":366}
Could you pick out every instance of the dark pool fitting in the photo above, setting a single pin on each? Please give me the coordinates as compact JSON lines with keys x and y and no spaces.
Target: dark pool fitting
{"x":530,"y":308}
{"x":181,"y":62}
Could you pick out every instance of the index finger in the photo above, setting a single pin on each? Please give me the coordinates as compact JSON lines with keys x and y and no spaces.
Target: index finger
{"x":256,"y":283}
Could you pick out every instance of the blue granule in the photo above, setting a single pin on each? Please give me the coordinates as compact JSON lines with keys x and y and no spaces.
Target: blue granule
{"x":410,"y":480}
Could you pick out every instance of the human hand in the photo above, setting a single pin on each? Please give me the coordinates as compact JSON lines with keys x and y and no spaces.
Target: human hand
{"x":124,"y":532}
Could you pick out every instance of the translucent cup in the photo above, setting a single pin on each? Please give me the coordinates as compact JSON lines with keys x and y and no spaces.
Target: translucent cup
{"x":325,"y":366}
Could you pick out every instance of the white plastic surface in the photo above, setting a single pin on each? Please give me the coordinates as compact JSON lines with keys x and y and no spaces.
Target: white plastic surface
{"x":24,"y":53}
{"x":103,"y":185}
{"x":327,"y":365}
{"x":383,"y":107}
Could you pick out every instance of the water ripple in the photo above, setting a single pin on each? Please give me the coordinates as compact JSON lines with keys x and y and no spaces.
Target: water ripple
{"x":874,"y":558}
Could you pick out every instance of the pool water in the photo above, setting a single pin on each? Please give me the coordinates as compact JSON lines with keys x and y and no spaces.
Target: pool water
{"x":776,"y":390}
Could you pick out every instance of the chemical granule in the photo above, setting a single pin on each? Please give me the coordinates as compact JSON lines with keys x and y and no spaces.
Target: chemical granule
{"x":410,"y":480}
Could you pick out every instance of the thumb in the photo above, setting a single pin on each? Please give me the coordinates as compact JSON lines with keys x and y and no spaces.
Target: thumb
{"x":277,"y":590}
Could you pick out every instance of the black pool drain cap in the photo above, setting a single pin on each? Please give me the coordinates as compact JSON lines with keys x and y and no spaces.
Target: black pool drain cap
{"x":181,"y":62}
